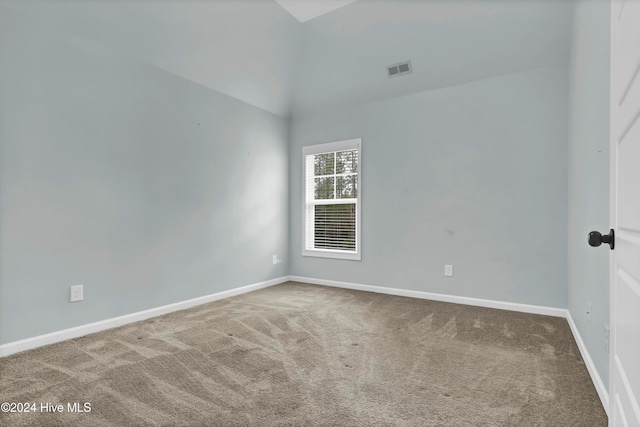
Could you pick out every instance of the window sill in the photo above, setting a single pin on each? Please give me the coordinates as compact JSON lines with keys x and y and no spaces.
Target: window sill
{"x":353,"y":256}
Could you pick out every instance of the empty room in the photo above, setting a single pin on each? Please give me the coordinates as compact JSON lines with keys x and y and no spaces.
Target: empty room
{"x":319,"y":212}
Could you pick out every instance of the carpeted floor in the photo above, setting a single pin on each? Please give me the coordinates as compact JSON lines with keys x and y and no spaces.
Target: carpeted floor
{"x":305,"y":355}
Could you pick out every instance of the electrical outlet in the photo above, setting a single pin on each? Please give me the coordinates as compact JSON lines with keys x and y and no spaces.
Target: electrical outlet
{"x":448,"y":270}
{"x":606,"y":338}
{"x":76,"y":293}
{"x":589,"y":312}
{"x":276,"y":260}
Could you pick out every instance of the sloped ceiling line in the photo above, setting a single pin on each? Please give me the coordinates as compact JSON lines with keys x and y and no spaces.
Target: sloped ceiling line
{"x":305,"y":10}
{"x":257,"y":52}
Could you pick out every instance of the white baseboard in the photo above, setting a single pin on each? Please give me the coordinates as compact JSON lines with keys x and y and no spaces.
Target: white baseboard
{"x":591,"y":367}
{"x":78,"y":331}
{"x":525,"y":308}
{"x":502,"y":305}
{"x":54,"y":337}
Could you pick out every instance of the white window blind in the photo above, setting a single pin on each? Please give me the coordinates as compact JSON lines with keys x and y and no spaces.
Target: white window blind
{"x":332,"y":199}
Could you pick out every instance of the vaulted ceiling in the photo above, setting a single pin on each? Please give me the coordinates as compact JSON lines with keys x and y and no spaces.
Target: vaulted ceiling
{"x":258,"y":52}
{"x":450,"y":42}
{"x":304,"y":10}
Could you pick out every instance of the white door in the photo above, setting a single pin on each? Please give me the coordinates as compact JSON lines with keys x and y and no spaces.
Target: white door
{"x":624,"y":364}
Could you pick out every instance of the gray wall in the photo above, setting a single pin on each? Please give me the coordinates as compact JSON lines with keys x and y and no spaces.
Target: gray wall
{"x":150,"y":189}
{"x":243,"y":48}
{"x":473,"y":175}
{"x":143,"y":186}
{"x":449,"y":42}
{"x":588,"y":274}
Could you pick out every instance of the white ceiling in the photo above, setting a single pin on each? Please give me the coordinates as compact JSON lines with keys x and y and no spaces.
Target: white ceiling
{"x":304,"y":10}
{"x":449,"y":42}
{"x":255,"y":51}
{"x":243,"y":48}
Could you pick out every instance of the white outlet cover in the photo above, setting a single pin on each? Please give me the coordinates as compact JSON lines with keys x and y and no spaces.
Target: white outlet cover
{"x":448,"y":270}
{"x":76,"y":293}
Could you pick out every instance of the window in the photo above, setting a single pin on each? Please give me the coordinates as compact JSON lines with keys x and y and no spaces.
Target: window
{"x":331,"y":217}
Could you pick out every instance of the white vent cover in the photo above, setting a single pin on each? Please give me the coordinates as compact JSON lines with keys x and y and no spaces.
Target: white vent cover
{"x":399,"y":69}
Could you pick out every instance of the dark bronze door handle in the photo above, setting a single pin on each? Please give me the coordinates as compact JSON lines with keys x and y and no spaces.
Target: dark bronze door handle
{"x":596,"y":239}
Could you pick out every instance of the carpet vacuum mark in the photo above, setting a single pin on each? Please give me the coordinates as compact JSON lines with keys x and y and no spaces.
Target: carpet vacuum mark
{"x":306,"y":355}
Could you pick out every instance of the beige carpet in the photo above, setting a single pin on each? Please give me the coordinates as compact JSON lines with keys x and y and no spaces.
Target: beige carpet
{"x":304,"y":355}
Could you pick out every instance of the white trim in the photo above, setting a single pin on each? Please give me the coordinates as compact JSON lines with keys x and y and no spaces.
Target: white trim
{"x":335,"y":201}
{"x":502,"y":305}
{"x":54,"y":337}
{"x":591,"y":367}
{"x":307,"y":229}
{"x":78,"y":331}
{"x":332,"y":253}
{"x":328,"y":147}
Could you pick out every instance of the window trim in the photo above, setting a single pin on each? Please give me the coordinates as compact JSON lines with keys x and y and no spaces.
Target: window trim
{"x":309,"y":150}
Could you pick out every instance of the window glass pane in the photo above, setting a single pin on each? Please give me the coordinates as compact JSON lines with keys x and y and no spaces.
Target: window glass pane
{"x":324,"y":188}
{"x":335,"y":227}
{"x":347,"y":187}
{"x":324,"y":164}
{"x":347,"y":162}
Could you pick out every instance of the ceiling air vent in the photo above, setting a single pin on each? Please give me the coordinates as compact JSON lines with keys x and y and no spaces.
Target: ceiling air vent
{"x":399,"y":69}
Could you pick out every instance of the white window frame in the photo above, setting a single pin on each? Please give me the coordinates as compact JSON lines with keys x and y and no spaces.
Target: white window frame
{"x":309,"y":203}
